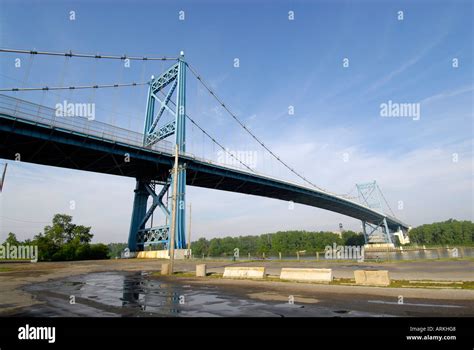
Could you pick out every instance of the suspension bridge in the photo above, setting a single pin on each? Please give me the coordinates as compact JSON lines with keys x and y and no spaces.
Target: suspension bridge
{"x":159,"y":159}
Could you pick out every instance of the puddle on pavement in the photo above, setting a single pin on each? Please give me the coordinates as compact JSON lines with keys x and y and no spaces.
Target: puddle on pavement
{"x":136,"y":294}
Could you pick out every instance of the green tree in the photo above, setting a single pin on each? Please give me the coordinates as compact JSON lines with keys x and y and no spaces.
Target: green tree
{"x":64,"y":231}
{"x":264,"y":244}
{"x":116,"y":249}
{"x":46,"y":247}
{"x":98,"y":251}
{"x":200,"y":247}
{"x":11,"y":240}
{"x":440,"y":233}
{"x":215,"y":247}
{"x":64,"y":240}
{"x":353,"y":239}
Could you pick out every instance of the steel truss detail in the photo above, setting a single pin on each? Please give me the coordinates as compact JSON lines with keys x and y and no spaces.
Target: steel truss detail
{"x":154,"y":235}
{"x":141,"y":236}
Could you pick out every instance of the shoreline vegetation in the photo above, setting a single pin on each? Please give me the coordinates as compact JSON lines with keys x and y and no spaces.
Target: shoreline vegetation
{"x":65,"y":241}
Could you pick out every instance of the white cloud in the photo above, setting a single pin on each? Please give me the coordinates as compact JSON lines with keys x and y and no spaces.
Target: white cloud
{"x":447,"y":94}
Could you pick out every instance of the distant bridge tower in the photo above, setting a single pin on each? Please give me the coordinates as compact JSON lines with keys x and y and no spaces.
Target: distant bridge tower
{"x":174,"y":79}
{"x":371,"y":196}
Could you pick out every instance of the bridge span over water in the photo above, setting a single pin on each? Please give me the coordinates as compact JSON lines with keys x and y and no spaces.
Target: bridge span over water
{"x":39,"y":136}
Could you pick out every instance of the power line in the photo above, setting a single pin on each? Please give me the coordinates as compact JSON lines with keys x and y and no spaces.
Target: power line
{"x":85,"y":55}
{"x":247,"y":129}
{"x":80,"y":87}
{"x":25,"y":221}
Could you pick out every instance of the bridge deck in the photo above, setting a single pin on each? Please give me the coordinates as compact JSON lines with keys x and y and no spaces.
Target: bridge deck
{"x":40,"y":137}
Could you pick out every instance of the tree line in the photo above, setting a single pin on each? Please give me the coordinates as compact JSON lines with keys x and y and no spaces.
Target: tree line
{"x":289,"y":242}
{"x":63,"y":241}
{"x":441,"y":233}
{"x":285,"y":242}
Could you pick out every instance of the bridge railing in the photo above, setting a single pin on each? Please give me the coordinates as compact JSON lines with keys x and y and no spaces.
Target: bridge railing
{"x":48,"y":116}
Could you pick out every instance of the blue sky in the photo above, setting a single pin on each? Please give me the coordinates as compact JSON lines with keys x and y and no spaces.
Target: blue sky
{"x":282,"y":63}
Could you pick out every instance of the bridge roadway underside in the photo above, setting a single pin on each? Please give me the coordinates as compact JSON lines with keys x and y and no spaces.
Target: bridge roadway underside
{"x":42,"y":144}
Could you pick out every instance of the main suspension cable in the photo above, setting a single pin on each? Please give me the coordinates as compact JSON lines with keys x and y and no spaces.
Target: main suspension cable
{"x":79,"y":87}
{"x":198,"y":77}
{"x":85,"y":55}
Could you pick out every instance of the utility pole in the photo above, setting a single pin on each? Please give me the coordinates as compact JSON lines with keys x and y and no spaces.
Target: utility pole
{"x":189,"y":233}
{"x":173,"y":209}
{"x":2,"y":180}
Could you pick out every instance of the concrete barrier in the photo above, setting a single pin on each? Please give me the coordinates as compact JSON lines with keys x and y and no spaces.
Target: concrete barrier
{"x":179,"y":254}
{"x":201,"y":270}
{"x":150,"y":254}
{"x":372,"y":278}
{"x":308,"y":275}
{"x":244,"y":272}
{"x":165,"y":269}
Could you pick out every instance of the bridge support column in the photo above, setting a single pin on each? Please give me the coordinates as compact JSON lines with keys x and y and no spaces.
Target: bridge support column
{"x":365,"y":232}
{"x":141,"y":236}
{"x":180,"y":227}
{"x":387,"y":231}
{"x":139,"y":211}
{"x":180,"y":134}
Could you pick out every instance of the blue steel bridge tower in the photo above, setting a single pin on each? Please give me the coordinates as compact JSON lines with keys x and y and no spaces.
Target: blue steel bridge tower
{"x":159,"y":100}
{"x":371,"y":196}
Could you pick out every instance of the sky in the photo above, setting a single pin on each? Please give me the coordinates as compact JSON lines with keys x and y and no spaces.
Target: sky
{"x":334,"y":64}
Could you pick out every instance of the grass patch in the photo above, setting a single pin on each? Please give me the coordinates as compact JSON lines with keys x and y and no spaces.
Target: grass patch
{"x":394,"y":261}
{"x":433,"y":284}
{"x":184,"y":274}
{"x":5,"y":269}
{"x":343,"y":281}
{"x":414,"y":284}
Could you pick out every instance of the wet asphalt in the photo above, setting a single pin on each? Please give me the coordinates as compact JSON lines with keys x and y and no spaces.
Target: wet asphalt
{"x":139,"y":294}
